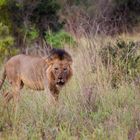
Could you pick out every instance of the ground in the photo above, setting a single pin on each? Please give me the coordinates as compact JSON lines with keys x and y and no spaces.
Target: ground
{"x":89,"y":108}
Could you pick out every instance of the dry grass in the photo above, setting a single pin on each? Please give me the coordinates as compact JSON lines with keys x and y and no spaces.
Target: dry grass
{"x":89,"y":109}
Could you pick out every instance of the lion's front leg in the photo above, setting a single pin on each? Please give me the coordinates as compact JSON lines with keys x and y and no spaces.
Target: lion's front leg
{"x":55,"y":93}
{"x":50,"y":99}
{"x":52,"y":91}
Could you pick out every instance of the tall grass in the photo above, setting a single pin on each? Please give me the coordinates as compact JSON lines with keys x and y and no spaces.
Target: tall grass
{"x":89,"y":108}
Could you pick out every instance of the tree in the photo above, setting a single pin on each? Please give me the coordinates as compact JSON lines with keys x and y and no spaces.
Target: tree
{"x":22,"y":16}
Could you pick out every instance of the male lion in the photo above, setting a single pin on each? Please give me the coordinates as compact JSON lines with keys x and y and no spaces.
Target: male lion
{"x":38,"y":73}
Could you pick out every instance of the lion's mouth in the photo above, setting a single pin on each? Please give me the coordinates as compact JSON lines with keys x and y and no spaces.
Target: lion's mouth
{"x":60,"y":83}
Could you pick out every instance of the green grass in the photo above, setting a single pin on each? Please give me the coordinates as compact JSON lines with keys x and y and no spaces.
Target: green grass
{"x":89,"y":108}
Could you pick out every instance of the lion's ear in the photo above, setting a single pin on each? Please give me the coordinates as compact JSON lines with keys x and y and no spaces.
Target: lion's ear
{"x":70,"y":62}
{"x":49,"y":61}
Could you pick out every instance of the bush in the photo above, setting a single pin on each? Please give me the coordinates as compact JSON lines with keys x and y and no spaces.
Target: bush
{"x":6,"y":42}
{"x":92,"y":17}
{"x":124,"y":57}
{"x":31,"y":34}
{"x":59,"y":39}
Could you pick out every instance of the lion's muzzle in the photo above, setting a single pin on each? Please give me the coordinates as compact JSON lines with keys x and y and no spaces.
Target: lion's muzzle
{"x":60,"y":81}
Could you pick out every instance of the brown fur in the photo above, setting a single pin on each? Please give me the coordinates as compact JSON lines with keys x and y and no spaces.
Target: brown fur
{"x":38,"y":73}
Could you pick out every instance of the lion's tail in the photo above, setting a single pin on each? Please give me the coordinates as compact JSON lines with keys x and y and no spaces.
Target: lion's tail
{"x":3,"y":79}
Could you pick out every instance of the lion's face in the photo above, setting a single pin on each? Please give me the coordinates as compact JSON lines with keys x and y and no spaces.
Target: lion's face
{"x":60,"y":72}
{"x":59,"y":68}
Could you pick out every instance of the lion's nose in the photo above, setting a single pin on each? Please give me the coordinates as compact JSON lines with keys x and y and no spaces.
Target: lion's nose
{"x":60,"y":78}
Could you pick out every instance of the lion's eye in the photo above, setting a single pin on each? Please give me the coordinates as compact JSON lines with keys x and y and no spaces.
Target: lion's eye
{"x":56,"y":69}
{"x":65,"y":69}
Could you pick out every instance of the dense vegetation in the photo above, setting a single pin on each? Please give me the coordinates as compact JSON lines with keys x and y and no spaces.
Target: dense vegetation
{"x":102,"y":100}
{"x":30,"y":21}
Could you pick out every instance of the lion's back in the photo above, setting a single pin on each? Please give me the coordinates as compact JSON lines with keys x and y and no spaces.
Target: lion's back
{"x":12,"y":67}
{"x":28,"y":68}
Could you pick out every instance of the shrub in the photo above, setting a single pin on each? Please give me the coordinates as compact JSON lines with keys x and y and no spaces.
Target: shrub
{"x":124,"y":57}
{"x":6,"y":42}
{"x":92,"y":17}
{"x":59,"y":39}
{"x":31,"y":34}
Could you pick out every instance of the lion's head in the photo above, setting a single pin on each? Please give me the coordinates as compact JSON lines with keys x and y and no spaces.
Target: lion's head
{"x":59,"y":68}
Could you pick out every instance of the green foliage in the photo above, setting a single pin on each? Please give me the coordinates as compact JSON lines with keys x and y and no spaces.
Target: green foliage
{"x":59,"y":39}
{"x":31,"y":33}
{"x":27,"y":20}
{"x":6,"y":42}
{"x":2,"y":2}
{"x":44,"y":15}
{"x":125,"y":59}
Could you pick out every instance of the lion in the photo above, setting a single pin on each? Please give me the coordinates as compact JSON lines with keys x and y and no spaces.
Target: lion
{"x":38,"y":73}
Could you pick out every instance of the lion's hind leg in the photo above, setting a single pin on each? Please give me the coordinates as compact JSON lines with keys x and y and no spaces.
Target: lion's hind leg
{"x":16,"y":84}
{"x":7,"y":97}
